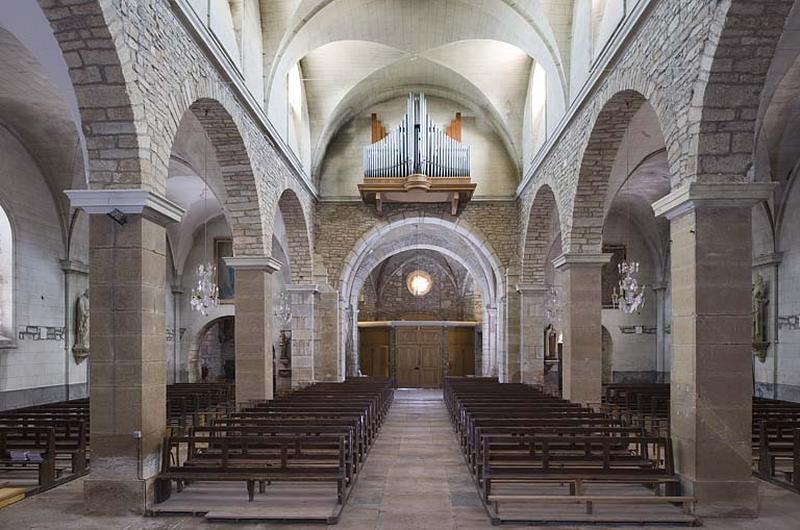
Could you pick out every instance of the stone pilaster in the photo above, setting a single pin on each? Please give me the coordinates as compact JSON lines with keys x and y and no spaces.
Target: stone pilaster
{"x":712,"y":343}
{"x":532,"y":324}
{"x":513,"y":341}
{"x":303,"y":300}
{"x":326,"y":336}
{"x":582,"y":357}
{"x":187,"y":373}
{"x":660,"y":291}
{"x":76,"y":279}
{"x":127,"y":260}
{"x":253,"y":333}
{"x":490,"y":364}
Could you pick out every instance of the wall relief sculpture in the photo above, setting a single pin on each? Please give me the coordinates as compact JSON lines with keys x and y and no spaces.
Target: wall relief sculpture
{"x":760,"y":301}
{"x":80,"y":350}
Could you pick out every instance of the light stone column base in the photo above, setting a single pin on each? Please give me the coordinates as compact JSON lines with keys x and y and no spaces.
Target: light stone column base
{"x":117,"y":497}
{"x":724,"y":498}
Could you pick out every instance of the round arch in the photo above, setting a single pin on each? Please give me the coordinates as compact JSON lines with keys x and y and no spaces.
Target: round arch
{"x":457,"y":240}
{"x":190,"y":356}
{"x":541,"y":230}
{"x":242,"y":199}
{"x":583,"y":224}
{"x":298,"y":237}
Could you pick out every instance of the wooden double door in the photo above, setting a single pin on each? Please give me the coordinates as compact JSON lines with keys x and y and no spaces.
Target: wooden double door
{"x":419,"y":357}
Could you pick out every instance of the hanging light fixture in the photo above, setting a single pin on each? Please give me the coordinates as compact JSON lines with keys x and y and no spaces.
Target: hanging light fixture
{"x":205,"y":293}
{"x":628,"y":296}
{"x":283,"y":309}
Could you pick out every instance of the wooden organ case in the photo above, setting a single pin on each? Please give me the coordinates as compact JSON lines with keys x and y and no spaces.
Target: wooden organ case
{"x":417,"y":161}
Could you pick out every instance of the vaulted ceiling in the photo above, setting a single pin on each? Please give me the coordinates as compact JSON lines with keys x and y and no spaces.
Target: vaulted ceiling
{"x":356,"y":53}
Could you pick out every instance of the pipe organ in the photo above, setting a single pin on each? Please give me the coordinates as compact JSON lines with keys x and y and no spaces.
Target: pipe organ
{"x":417,"y":161}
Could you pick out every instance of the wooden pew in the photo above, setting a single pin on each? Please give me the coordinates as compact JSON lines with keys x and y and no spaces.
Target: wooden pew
{"x":36,"y":449}
{"x":317,"y":434}
{"x":521,"y":439}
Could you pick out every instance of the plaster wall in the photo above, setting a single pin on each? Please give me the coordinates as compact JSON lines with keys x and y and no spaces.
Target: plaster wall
{"x":634,"y":351}
{"x":29,"y":370}
{"x":788,"y":304}
{"x":491,"y":167}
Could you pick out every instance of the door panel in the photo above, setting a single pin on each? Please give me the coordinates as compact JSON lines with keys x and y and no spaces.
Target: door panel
{"x":407,"y":367}
{"x":461,"y":352}
{"x":430,"y":366}
{"x":374,"y":351}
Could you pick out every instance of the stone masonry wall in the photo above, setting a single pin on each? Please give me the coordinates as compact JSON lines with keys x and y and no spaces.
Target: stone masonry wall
{"x":339,"y":225}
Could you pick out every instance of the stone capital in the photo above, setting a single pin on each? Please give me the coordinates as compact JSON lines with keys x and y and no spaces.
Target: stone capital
{"x":142,"y":202}
{"x":310,"y":288}
{"x":566,"y":261}
{"x":253,"y":263}
{"x":695,"y":195}
{"x":659,"y":286}
{"x":530,"y":289}
{"x":71,"y":266}
{"x":768,"y":259}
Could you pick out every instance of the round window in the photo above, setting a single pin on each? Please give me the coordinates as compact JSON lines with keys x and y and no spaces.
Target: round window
{"x":419,"y":283}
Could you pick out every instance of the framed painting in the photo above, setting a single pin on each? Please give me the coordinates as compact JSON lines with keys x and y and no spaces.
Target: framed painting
{"x":226,"y":276}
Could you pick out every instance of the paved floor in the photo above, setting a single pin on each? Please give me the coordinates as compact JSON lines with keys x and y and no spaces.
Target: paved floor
{"x":414,"y":478}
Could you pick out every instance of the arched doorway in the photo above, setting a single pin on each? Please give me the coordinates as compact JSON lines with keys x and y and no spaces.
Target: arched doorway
{"x":216,"y":346}
{"x":458,"y":242}
{"x":417,"y":316}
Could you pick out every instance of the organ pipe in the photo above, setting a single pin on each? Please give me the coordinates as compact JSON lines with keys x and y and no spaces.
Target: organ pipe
{"x":417,"y":146}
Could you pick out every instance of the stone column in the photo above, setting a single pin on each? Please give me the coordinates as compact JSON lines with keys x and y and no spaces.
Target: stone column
{"x":490,"y":367}
{"x":513,"y":365}
{"x":189,"y":372}
{"x":253,"y":333}
{"x":532,"y":324}
{"x":583,"y":339}
{"x":302,"y":299}
{"x":659,"y":290}
{"x":351,"y":313}
{"x":326,"y":336}
{"x":127,"y":260}
{"x":712,"y":343}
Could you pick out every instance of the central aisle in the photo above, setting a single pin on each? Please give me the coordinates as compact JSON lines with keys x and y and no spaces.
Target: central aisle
{"x":415,"y":476}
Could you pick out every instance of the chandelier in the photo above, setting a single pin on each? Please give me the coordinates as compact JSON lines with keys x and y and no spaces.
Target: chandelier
{"x":205,"y":293}
{"x":552,"y":306}
{"x":628,"y":297}
{"x":283,"y":308}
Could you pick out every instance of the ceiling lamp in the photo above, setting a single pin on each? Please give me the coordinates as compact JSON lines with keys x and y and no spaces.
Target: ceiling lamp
{"x":205,"y":293}
{"x":419,"y":283}
{"x":629,"y":296}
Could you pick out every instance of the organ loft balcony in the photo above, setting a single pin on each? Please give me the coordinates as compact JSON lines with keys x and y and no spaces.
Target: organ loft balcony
{"x":417,"y":161}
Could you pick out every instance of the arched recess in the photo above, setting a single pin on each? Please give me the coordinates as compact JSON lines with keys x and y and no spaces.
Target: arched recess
{"x":6,"y":278}
{"x":298,"y":237}
{"x":91,"y":38}
{"x":195,"y":333}
{"x":243,"y":199}
{"x":744,"y":36}
{"x":542,"y":228}
{"x":583,"y":229}
{"x":457,"y":240}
